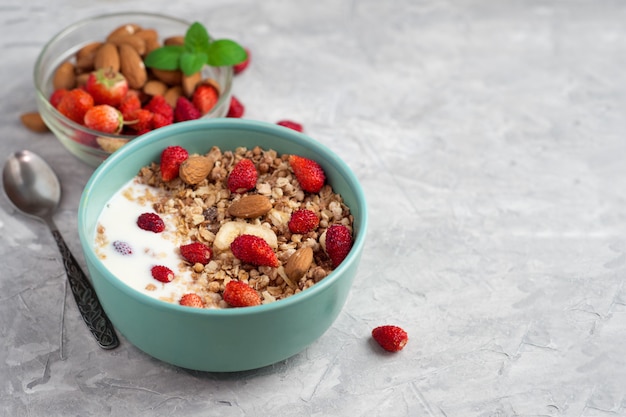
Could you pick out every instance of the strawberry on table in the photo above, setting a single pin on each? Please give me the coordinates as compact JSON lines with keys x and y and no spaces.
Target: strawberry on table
{"x":338,"y":243}
{"x":308,"y":172}
{"x":243,"y":177}
{"x":74,"y":104}
{"x":240,"y":294}
{"x":106,"y":86}
{"x":391,"y":338}
{"x":171,"y":158}
{"x":254,"y":250}
{"x":236,"y":109}
{"x":104,"y":118}
{"x":196,"y":252}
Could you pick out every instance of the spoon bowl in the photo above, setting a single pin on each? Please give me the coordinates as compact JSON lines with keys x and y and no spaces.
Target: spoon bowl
{"x":31,"y":184}
{"x":34,"y":189}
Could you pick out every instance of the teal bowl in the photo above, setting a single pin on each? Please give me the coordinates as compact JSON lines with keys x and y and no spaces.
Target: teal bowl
{"x":226,"y":340}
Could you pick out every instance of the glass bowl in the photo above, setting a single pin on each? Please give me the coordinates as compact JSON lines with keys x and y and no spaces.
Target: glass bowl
{"x":81,"y":141}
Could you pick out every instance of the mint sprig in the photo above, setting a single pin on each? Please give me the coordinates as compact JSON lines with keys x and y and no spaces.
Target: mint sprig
{"x":198,"y":50}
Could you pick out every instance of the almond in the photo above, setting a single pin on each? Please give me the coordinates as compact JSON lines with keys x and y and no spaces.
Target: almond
{"x":195,"y":169}
{"x":299,"y":263}
{"x":86,"y":56}
{"x":64,"y":76}
{"x":250,"y":206}
{"x":147,"y":35}
{"x":155,"y":88}
{"x":126,"y":29}
{"x":174,"y":40}
{"x":132,"y":67}
{"x":190,"y":82}
{"x":172,"y":94}
{"x":133,"y":40}
{"x":107,"y":56}
{"x":173,"y":77}
{"x":110,"y":145}
{"x":34,"y":122}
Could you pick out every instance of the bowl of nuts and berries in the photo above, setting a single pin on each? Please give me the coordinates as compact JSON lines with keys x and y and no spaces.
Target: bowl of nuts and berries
{"x":223,"y":244}
{"x":105,"y":80}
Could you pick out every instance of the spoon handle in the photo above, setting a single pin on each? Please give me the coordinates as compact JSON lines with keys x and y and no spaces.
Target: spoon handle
{"x":88,"y":304}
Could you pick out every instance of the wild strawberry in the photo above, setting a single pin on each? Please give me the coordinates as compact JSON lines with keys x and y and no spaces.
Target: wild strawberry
{"x":243,"y":177}
{"x":303,"y":221}
{"x":151,"y":222}
{"x":390,"y":338}
{"x":191,"y":300}
{"x":236,"y":109}
{"x":106,"y":86}
{"x":196,"y":253}
{"x":338,"y":243}
{"x":240,"y":294}
{"x":74,"y":104}
{"x":104,"y":118}
{"x":204,"y":98}
{"x":139,"y":121}
{"x":130,"y":103}
{"x":162,"y":273}
{"x":171,"y":158}
{"x":239,"y":68}
{"x":163,"y":112}
{"x":185,"y":110}
{"x":122,"y":247}
{"x":291,"y":125}
{"x":253,"y":250}
{"x":56,"y":96}
{"x":309,"y":173}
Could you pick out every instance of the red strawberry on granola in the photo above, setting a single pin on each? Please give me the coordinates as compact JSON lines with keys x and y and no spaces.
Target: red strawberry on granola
{"x":308,"y":172}
{"x":240,"y":294}
{"x":196,"y":253}
{"x":303,"y":221}
{"x":171,"y":158}
{"x":338,"y":243}
{"x":253,"y":250}
{"x":192,"y":300}
{"x":243,"y":177}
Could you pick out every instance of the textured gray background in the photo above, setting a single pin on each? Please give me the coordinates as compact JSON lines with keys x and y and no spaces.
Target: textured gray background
{"x":489,"y":139}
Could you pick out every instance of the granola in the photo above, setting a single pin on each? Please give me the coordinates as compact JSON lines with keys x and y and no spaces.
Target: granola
{"x":200,"y":212}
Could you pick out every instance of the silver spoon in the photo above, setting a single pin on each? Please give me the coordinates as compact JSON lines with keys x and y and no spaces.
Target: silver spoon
{"x":35,"y":190}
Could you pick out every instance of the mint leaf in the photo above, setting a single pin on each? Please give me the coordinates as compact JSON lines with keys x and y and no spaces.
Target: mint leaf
{"x":165,"y":58}
{"x":190,"y":63}
{"x":224,"y":52}
{"x":196,"y":38}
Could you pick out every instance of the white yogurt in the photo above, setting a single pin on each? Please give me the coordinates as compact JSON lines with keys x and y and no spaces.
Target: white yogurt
{"x":119,"y":223}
